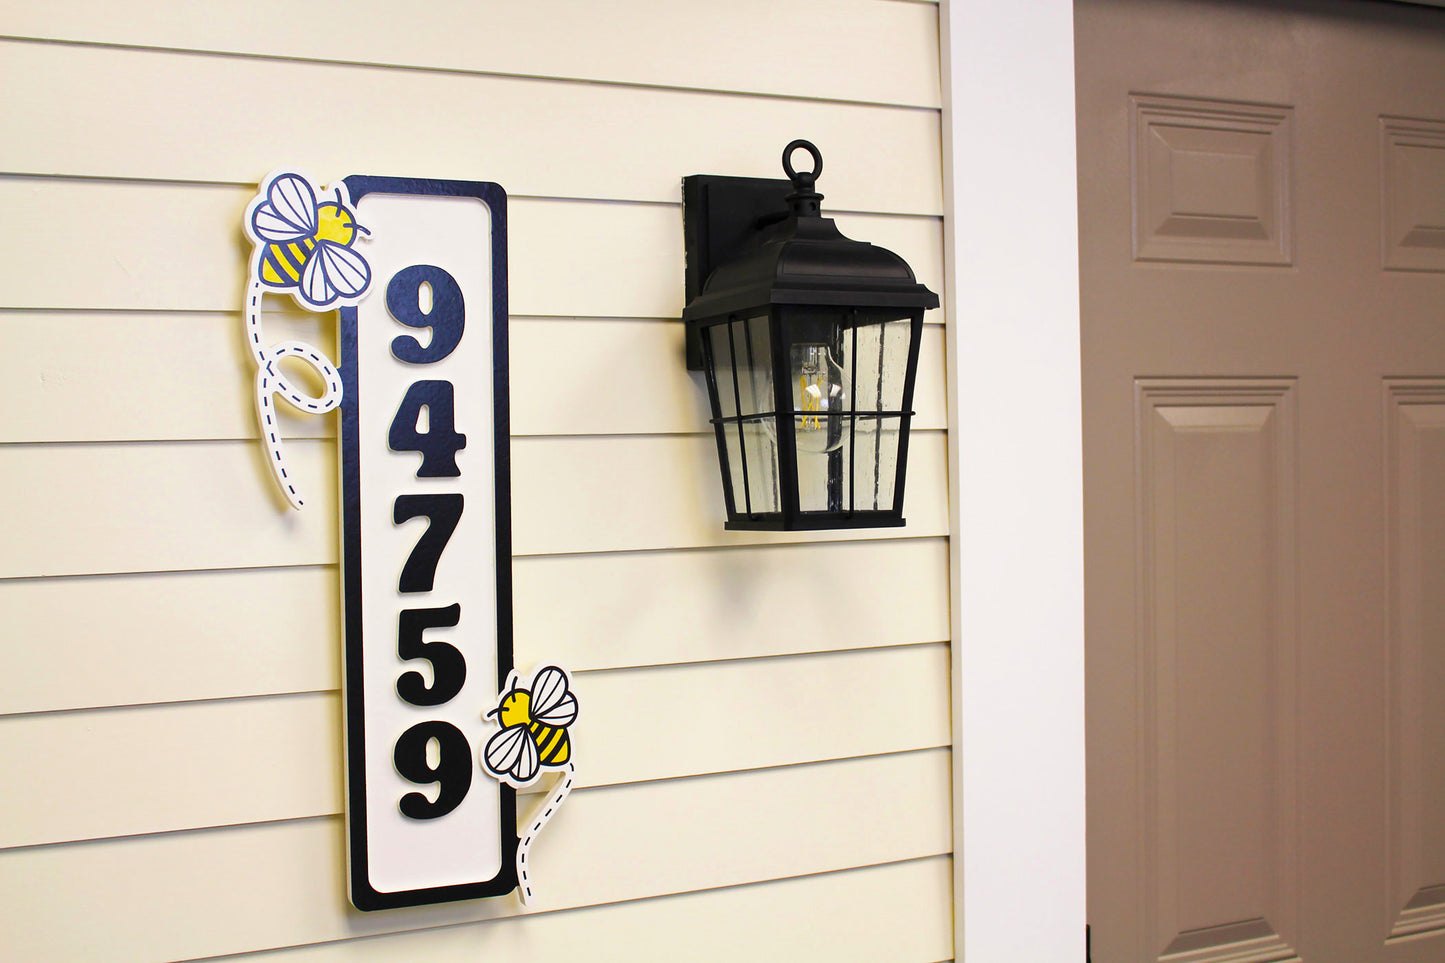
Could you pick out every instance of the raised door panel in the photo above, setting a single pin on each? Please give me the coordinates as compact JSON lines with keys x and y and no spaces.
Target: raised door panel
{"x":1211,"y":181}
{"x":1217,"y":678}
{"x":1412,"y":194}
{"x":1415,"y":473}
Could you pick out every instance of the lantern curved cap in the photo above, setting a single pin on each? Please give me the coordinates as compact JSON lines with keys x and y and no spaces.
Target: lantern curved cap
{"x":801,"y":258}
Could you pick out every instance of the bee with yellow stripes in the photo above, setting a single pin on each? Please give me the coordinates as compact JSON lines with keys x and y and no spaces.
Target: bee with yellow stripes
{"x":305,"y":244}
{"x":534,"y":728}
{"x":533,"y":737}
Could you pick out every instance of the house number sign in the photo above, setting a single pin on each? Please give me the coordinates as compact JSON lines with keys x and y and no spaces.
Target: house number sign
{"x":426,"y":543}
{"x":440,"y":731}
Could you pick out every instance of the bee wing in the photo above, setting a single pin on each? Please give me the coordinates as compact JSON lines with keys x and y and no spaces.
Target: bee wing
{"x":552,"y":702}
{"x":512,"y":752}
{"x":289,"y":213}
{"x":333,"y":270}
{"x":561,"y":715}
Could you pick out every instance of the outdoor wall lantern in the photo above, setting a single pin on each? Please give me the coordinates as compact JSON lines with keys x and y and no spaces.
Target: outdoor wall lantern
{"x":809,"y":342}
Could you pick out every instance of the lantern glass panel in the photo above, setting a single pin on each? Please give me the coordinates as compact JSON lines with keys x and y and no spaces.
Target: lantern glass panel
{"x":875,"y":359}
{"x":743,"y":359}
{"x":873,"y":467}
{"x":848,"y":371}
{"x":859,"y":475}
{"x":742,"y":365}
{"x":760,"y":445}
{"x":752,"y":468}
{"x":737,"y":495}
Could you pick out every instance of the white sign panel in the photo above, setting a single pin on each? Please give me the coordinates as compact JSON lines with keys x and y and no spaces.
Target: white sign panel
{"x":426,"y":560}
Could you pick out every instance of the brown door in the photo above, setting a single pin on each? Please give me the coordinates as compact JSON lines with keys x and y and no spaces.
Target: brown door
{"x":1262,"y":210}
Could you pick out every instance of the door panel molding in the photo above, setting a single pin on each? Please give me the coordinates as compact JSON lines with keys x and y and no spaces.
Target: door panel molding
{"x":1211,"y":181}
{"x":1412,"y":194}
{"x":1415,"y":536}
{"x":1217,"y":662}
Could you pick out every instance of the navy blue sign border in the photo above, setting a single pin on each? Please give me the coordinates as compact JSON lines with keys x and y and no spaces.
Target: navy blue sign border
{"x":363,"y":896}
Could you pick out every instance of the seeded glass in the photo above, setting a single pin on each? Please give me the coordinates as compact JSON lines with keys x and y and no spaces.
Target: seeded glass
{"x":742,"y":359}
{"x":847,"y":375}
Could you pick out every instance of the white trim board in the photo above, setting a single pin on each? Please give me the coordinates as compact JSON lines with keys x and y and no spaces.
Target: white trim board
{"x":1016,"y":482}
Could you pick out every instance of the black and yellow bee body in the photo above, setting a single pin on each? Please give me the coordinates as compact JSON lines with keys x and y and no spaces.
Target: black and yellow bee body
{"x":554,"y":747}
{"x":534,"y":728}
{"x":282,"y":264}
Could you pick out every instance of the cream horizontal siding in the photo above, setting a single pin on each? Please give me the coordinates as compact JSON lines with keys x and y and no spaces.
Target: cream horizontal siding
{"x":806,"y":49}
{"x":617,"y":610}
{"x":207,"y":892}
{"x":768,"y":921}
{"x":535,"y":138}
{"x":178,"y":247}
{"x":183,"y":376}
{"x":208,"y":504}
{"x":763,"y":747}
{"x":217,"y":764}
{"x":138,"y":639}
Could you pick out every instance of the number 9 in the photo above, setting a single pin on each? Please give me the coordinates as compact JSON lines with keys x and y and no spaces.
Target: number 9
{"x":453,"y":771}
{"x":447,"y":317}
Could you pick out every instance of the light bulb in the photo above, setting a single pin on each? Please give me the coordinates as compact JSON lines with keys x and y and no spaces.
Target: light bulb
{"x":818,"y":397}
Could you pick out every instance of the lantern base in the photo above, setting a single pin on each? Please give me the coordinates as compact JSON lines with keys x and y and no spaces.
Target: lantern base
{"x":816,"y":522}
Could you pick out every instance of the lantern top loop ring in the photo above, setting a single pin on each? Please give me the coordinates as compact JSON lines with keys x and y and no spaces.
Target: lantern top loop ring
{"x":804,"y":201}
{"x":802,"y":180}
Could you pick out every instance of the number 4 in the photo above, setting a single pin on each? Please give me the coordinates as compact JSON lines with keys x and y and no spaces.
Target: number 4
{"x":441,"y":441}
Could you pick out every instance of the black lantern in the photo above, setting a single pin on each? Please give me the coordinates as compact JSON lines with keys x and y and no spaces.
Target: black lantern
{"x":809,"y":341}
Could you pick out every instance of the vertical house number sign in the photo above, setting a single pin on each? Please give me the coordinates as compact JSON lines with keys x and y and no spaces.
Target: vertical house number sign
{"x":440,"y":731}
{"x":426,"y":543}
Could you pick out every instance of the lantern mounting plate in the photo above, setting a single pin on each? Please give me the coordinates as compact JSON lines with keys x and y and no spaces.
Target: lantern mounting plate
{"x":720,"y":218}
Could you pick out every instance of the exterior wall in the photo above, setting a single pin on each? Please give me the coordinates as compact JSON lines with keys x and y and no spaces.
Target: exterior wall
{"x":765,"y":732}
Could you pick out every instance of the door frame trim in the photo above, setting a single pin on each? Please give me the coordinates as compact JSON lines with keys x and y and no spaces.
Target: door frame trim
{"x":1015,"y":480}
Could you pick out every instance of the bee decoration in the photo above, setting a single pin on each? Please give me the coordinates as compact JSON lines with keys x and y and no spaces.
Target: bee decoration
{"x":308,"y":242}
{"x":533,"y":737}
{"x":303,"y":246}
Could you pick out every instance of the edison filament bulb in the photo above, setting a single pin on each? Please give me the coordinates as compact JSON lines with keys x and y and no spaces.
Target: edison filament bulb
{"x":818,"y":397}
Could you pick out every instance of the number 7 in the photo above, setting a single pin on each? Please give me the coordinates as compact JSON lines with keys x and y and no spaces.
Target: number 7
{"x":443,"y":511}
